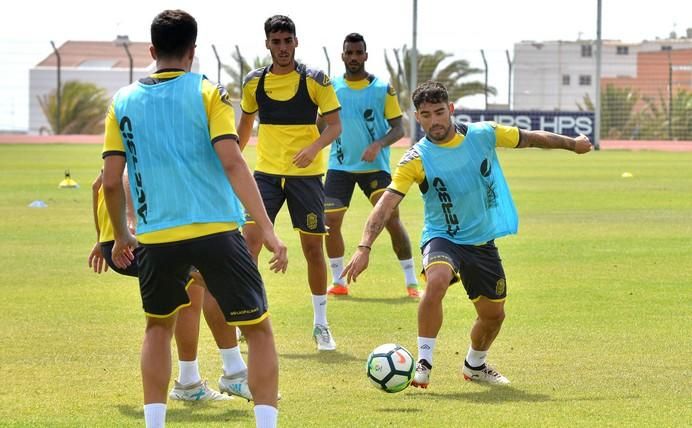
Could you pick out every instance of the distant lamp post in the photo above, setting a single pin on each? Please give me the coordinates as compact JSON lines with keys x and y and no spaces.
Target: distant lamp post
{"x":124,"y":41}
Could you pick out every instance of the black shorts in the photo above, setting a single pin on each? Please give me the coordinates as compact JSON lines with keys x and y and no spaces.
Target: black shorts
{"x":107,"y":252}
{"x":224,"y":262}
{"x":339,"y":185}
{"x":478,"y":266}
{"x":133,"y":269}
{"x":303,"y":195}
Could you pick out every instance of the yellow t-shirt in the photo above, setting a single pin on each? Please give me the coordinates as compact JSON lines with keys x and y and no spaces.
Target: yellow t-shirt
{"x":410,"y":168}
{"x":221,"y":126}
{"x":278,"y":144}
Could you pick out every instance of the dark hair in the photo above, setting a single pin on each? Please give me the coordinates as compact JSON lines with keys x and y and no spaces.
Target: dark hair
{"x":278,"y":23}
{"x":431,"y":92}
{"x":173,"y":32}
{"x":355,"y":38}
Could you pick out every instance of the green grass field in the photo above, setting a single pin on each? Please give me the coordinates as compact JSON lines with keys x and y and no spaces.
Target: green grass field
{"x":598,"y":329}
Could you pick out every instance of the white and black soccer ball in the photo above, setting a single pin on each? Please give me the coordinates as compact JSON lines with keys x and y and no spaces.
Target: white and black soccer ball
{"x":390,"y":368}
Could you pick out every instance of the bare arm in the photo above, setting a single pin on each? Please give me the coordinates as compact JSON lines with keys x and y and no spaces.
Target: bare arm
{"x":373,"y":227}
{"x":245,"y":128}
{"x":114,"y":193}
{"x":549,"y":140}
{"x":330,"y":132}
{"x":129,"y":206}
{"x":396,"y":131}
{"x":245,"y":188}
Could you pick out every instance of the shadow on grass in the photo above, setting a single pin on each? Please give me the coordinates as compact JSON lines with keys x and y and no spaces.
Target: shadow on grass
{"x":399,"y":410}
{"x":324,"y":357}
{"x":196,"y":412}
{"x":492,"y":394}
{"x":388,"y":300}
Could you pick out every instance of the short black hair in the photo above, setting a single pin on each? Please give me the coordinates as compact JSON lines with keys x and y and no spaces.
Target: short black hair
{"x":173,"y":32}
{"x":431,"y":92}
{"x":278,"y":23}
{"x":355,"y":38}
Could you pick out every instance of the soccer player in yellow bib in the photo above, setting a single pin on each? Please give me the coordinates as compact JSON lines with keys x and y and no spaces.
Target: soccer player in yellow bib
{"x":287,"y":96}
{"x":189,"y":183}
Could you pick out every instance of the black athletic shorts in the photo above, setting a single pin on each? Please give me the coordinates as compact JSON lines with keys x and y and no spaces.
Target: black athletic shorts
{"x":303,"y":195}
{"x":339,"y":185}
{"x":223,"y":261}
{"x":133,"y":269}
{"x":478,"y":266}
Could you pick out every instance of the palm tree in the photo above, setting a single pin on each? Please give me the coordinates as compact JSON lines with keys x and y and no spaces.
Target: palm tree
{"x":454,"y":75}
{"x":661,"y":123}
{"x":619,"y":120}
{"x":82,"y":108}
{"x":241,"y":69}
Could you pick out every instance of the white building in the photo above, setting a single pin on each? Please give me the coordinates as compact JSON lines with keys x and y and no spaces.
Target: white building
{"x":557,"y":75}
{"x":105,"y":64}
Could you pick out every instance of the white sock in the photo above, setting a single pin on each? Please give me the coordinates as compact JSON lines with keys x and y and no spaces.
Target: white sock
{"x":189,"y":372}
{"x":155,"y":415}
{"x":265,"y":416}
{"x":426,"y":346}
{"x":476,"y":358}
{"x":337,"y":266}
{"x":319,"y":308}
{"x":232,"y":360}
{"x":409,"y":269}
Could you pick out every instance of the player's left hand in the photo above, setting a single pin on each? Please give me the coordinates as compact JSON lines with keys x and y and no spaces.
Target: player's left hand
{"x":304,"y":158}
{"x":359,"y":262}
{"x":96,"y":259}
{"x":582,"y":144}
{"x":123,"y":251}
{"x":371,"y":152}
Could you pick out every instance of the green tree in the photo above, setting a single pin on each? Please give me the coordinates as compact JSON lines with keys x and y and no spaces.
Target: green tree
{"x":83,"y":107}
{"x":619,"y":118}
{"x":659,"y":122}
{"x":238,"y":73}
{"x":453,"y":74}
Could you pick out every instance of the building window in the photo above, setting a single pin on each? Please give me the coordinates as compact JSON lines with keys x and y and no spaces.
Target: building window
{"x":623,"y":50}
{"x":565,"y":80}
{"x":584,"y":80}
{"x":586,"y":50}
{"x":666,"y":48}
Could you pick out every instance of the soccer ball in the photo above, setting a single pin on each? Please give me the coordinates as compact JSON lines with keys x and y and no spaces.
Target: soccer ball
{"x":390,"y":368}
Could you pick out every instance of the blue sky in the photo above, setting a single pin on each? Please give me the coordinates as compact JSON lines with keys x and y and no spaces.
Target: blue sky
{"x":458,"y":27}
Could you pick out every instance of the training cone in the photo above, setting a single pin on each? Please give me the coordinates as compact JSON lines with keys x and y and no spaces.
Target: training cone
{"x":627,"y":175}
{"x":68,"y":182}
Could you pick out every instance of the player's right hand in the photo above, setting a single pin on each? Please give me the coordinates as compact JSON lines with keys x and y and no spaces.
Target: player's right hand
{"x":96,"y":259}
{"x":582,"y":144}
{"x":279,"y":261}
{"x":359,"y":262}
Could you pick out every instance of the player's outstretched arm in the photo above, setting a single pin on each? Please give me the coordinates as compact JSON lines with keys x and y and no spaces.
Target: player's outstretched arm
{"x":245,"y":187}
{"x":373,"y":227}
{"x":549,"y":140}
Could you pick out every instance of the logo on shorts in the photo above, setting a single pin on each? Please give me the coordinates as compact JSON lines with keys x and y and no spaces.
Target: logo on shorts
{"x":500,"y":287}
{"x":312,"y":221}
{"x":373,"y":184}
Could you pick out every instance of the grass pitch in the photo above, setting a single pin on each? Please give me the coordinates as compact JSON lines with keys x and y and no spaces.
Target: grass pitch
{"x":598,"y":329}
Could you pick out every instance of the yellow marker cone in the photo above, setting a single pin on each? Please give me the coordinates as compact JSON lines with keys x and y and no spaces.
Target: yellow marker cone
{"x":627,"y":175}
{"x":68,"y":182}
